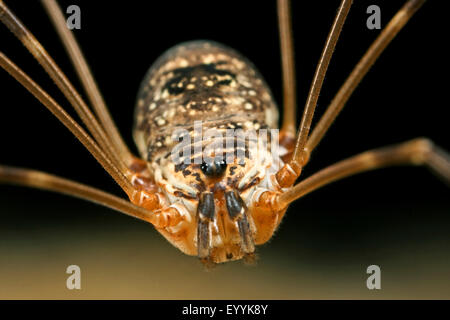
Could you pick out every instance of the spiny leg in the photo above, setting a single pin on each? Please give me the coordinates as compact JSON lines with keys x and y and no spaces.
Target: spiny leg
{"x":87,"y":79}
{"x":419,"y":151}
{"x":360,"y":70}
{"x":205,"y":218}
{"x":41,"y":180}
{"x":287,"y":175}
{"x":238,"y":213}
{"x":44,"y":59}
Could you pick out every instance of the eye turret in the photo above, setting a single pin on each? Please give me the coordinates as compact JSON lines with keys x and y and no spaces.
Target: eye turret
{"x":214,"y":169}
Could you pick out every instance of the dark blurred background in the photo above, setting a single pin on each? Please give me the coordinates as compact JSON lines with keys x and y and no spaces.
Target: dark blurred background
{"x":397,"y":218}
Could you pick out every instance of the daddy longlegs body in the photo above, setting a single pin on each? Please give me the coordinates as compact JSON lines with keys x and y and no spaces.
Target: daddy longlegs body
{"x":231,"y":207}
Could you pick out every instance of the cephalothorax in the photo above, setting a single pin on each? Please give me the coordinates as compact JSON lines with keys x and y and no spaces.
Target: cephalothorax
{"x":206,"y":83}
{"x":217,"y":203}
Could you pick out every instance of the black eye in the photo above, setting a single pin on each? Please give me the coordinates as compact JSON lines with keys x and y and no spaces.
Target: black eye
{"x":214,"y":169}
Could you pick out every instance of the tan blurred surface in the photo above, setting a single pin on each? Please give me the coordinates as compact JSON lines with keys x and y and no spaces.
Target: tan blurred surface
{"x":129,"y":260}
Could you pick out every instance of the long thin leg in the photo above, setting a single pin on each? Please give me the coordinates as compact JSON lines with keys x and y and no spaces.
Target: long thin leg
{"x":141,"y":195}
{"x":360,"y":70}
{"x":87,"y":79}
{"x":45,"y":181}
{"x":289,"y":173}
{"x":419,"y":151}
{"x":41,"y":55}
{"x":71,"y":124}
{"x":288,"y":67}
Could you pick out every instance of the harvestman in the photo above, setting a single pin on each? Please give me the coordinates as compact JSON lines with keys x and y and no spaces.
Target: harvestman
{"x":218,"y":211}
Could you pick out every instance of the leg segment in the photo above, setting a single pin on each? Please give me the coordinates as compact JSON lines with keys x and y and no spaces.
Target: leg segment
{"x":44,"y":59}
{"x":419,"y":151}
{"x":238,"y":212}
{"x":103,"y":153}
{"x":289,"y":173}
{"x":138,"y":190}
{"x":36,"y":179}
{"x":205,"y":217}
{"x":72,"y":125}
{"x":360,"y":70}
{"x":85,"y":75}
{"x":288,"y":67}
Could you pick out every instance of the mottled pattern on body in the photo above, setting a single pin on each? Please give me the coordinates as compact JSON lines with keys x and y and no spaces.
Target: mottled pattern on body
{"x":199,"y":81}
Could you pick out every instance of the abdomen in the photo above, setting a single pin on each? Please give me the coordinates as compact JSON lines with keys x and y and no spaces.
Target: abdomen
{"x":199,"y":81}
